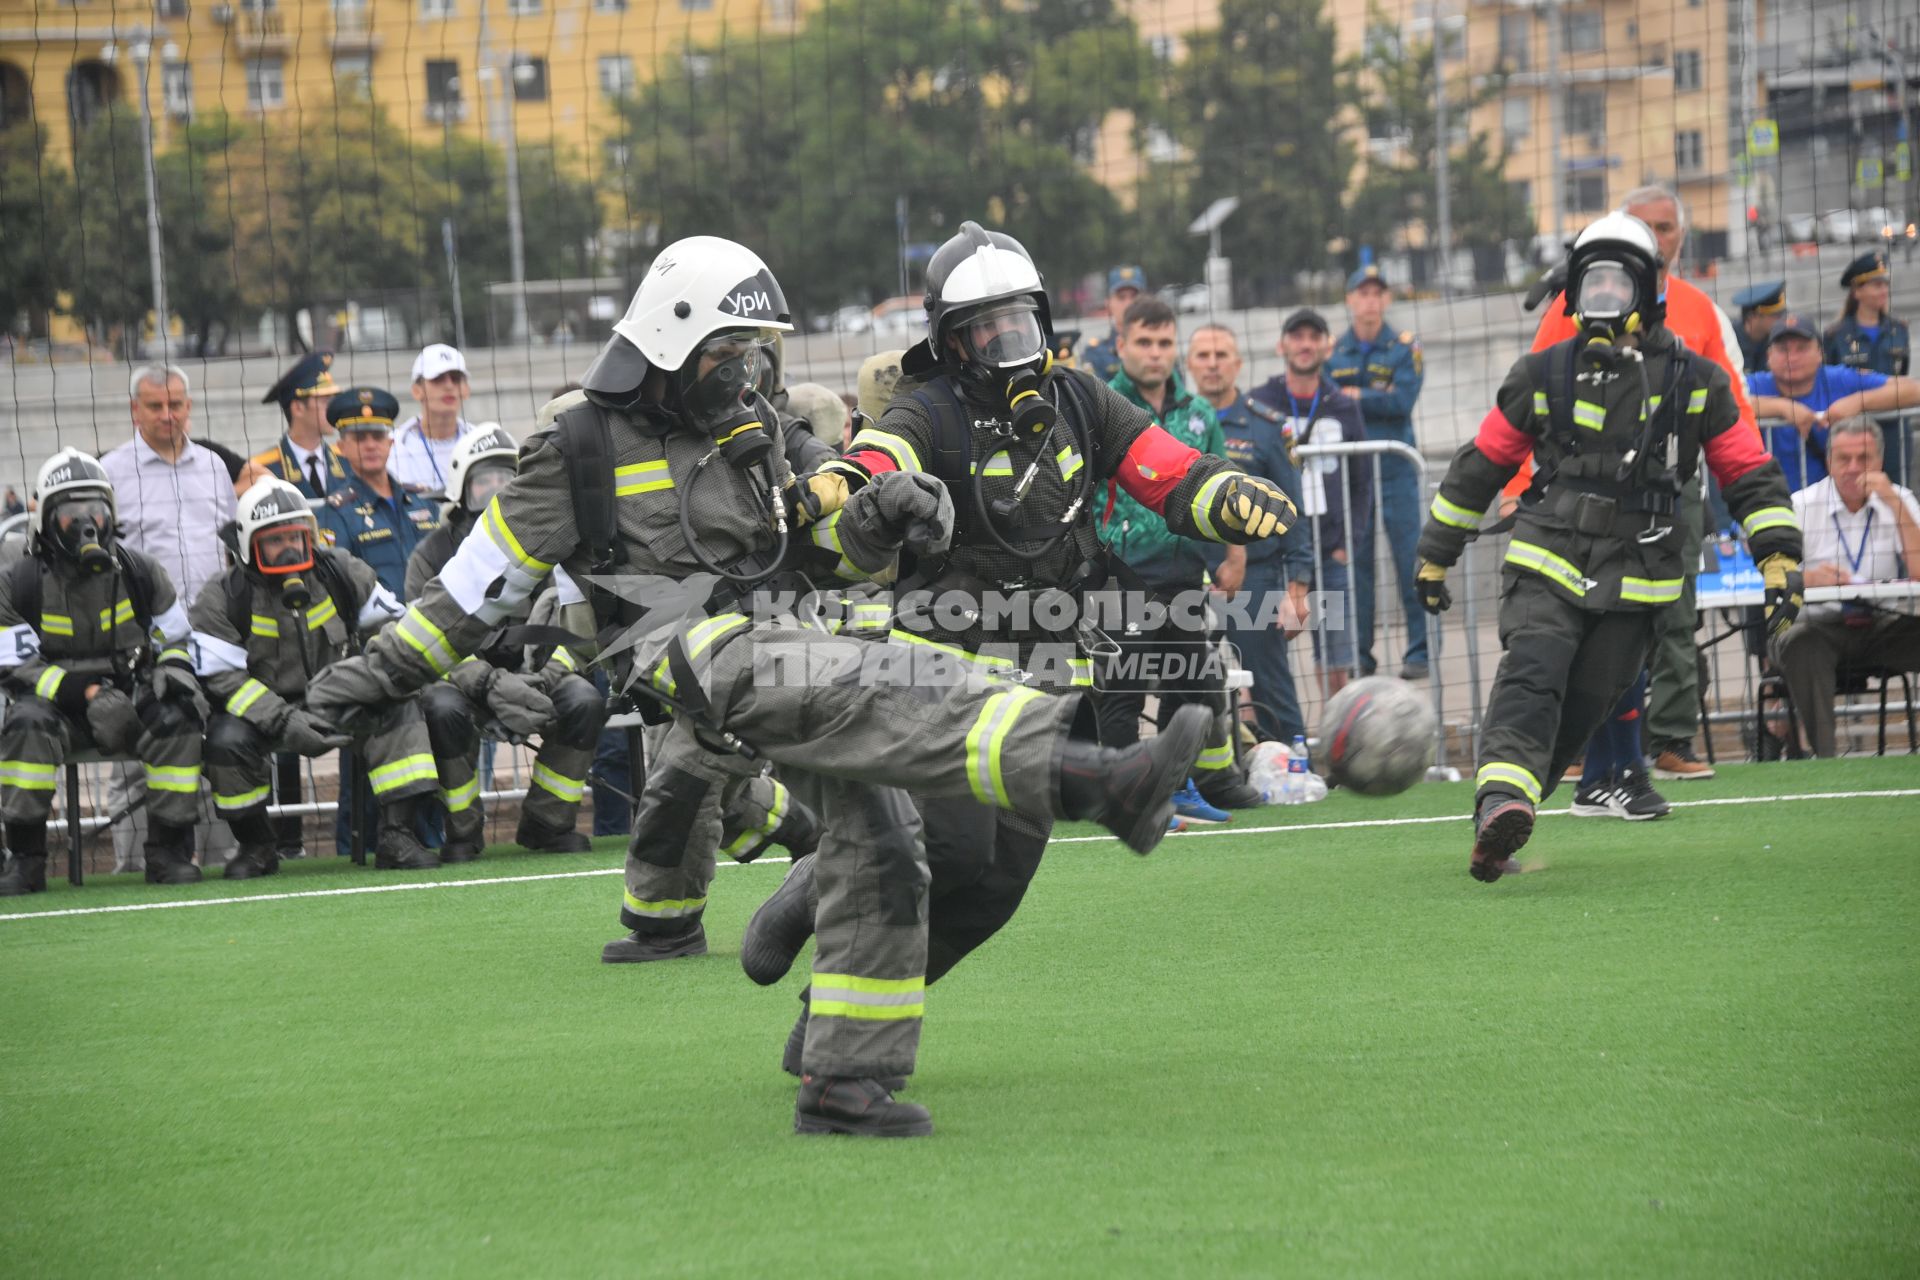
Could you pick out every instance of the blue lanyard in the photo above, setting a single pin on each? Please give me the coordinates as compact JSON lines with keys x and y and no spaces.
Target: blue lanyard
{"x":1854,"y":557}
{"x":1306,"y":423}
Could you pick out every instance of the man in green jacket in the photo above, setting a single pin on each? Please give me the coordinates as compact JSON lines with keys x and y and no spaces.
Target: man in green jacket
{"x":1179,"y":657}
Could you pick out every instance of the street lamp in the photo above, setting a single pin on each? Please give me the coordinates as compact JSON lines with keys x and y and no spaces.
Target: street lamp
{"x":141,"y":50}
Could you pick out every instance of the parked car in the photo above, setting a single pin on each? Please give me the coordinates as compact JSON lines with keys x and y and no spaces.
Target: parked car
{"x":1799,"y":227}
{"x":904,"y":317}
{"x":1186,"y":298}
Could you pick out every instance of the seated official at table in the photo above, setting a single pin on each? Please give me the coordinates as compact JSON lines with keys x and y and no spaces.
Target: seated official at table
{"x":1859,"y":527}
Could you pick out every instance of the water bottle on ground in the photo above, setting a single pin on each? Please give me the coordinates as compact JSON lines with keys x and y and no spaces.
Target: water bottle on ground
{"x":1296,"y":785}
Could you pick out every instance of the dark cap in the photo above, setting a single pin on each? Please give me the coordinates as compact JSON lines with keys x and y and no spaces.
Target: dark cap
{"x":1369,"y":274}
{"x":1767,"y":298}
{"x":310,"y":376}
{"x":1871,"y":265}
{"x":363,"y":409}
{"x":1126,"y":278}
{"x":1307,"y":317}
{"x":1795,"y":323}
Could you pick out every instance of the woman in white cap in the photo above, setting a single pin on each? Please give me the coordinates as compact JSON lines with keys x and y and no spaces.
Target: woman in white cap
{"x":423,"y":444}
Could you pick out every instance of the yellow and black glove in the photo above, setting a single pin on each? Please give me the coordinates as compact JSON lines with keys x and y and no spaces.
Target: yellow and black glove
{"x":815,"y":497}
{"x":1785,"y":591}
{"x":1248,"y":508}
{"x":1430,"y":580}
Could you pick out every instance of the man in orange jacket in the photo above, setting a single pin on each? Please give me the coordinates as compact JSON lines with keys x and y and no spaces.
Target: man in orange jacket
{"x":1615,"y":782}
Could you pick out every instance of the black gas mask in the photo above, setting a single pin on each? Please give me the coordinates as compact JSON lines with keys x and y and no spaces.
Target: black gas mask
{"x":1004,"y":354}
{"x":717,"y":395}
{"x":83,"y":530}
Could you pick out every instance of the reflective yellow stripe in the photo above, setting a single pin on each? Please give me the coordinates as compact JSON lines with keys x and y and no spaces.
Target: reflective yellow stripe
{"x":122,"y":611}
{"x":400,"y":772}
{"x":666,"y":909}
{"x":1540,"y":403}
{"x":28,"y":775}
{"x":565,"y":788}
{"x":1203,"y":501}
{"x":761,"y":831}
{"x":459,"y":799}
{"x":1770,"y":518}
{"x":872,"y":615}
{"x":641,"y":477}
{"x":1500,"y":771}
{"x":177,"y":655}
{"x":1588,"y":414}
{"x":244,"y":697}
{"x":496,"y":527}
{"x":988,"y":665}
{"x":826,"y":534}
{"x":1547,"y":564}
{"x":699,"y":639}
{"x":1080,"y":673}
{"x":1697,"y":402}
{"x":1000,"y":464}
{"x":1220,"y":757}
{"x":1452,"y":513}
{"x":322,"y":613}
{"x":165,"y":777}
{"x":843,"y":995}
{"x":985,"y":740}
{"x":56,"y":624}
{"x":427,"y":640}
{"x":265,"y":626}
{"x":244,"y":800}
{"x":48,"y":685}
{"x":1651,"y":590}
{"x":564,"y":657}
{"x":1070,"y":462}
{"x":890,"y":444}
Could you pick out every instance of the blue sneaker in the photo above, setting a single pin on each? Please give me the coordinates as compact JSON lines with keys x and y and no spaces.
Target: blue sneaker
{"x":1188,"y":803}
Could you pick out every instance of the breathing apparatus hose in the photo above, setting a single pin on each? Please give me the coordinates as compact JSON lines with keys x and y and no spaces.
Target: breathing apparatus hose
{"x":770,"y":506}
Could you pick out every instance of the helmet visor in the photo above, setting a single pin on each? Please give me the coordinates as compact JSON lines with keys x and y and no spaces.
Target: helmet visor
{"x":722,"y":373}
{"x":284,"y":548}
{"x":1002,"y":336}
{"x":1607,"y":291}
{"x":485,"y":480}
{"x":80,"y":519}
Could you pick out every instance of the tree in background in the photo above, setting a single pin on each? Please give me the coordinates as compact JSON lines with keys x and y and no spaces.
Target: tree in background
{"x":35,"y":200}
{"x":197,"y":205}
{"x":1397,"y":101}
{"x":103,"y":258}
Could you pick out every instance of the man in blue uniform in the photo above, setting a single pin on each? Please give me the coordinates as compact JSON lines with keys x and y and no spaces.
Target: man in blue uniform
{"x":375,"y":519}
{"x":1865,"y":337}
{"x":304,"y":457}
{"x":1381,"y":367}
{"x":1102,"y":359}
{"x":1760,"y":305}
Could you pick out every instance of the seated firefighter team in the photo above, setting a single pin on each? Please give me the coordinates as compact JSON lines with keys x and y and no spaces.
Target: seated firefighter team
{"x":922,"y":753}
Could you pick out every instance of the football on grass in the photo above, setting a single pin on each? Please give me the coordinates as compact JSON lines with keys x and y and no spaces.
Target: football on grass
{"x":1377,"y":736}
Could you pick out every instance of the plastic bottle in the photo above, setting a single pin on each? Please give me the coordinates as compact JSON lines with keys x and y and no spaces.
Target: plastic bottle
{"x":1296,"y":787}
{"x":1267,"y":770}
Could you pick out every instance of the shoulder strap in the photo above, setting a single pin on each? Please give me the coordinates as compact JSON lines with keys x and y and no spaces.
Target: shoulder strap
{"x":952,"y":435}
{"x":239,"y":602}
{"x":586,"y":442}
{"x":25,"y":589}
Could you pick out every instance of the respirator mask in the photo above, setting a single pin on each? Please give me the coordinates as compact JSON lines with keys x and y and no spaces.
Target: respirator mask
{"x":83,"y":529}
{"x":1002,"y":346}
{"x":483,"y":482}
{"x":282,"y":553}
{"x":717,"y":394}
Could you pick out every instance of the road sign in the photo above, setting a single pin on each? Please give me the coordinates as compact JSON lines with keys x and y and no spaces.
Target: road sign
{"x":1902,"y":162}
{"x":1763,"y":138}
{"x":1869,"y":173}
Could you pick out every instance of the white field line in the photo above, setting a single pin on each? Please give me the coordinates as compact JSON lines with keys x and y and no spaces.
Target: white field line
{"x":1224,"y":830}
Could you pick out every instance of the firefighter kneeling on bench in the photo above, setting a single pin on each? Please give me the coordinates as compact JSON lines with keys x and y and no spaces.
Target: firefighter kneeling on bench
{"x":92,"y":654}
{"x":1617,"y":420}
{"x":491,"y":685}
{"x":280,"y":616}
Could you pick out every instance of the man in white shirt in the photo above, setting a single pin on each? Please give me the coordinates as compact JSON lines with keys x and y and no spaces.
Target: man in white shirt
{"x":173,"y":496}
{"x":1859,"y":527}
{"x":423,"y":444}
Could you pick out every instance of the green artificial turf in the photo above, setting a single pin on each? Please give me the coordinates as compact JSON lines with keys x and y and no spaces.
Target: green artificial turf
{"x":1681,"y":1048}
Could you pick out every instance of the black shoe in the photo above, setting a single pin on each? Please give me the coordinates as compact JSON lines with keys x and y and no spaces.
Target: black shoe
{"x":639,"y":948}
{"x":864,"y":1108}
{"x":1129,"y":791}
{"x":459,"y":851}
{"x":169,"y":855}
{"x":1598,"y":799}
{"x":1502,"y":827}
{"x":249,"y":864}
{"x":1638,"y":798}
{"x":538,"y":839}
{"x":400,"y":850}
{"x":790,"y":1057}
{"x":798,"y":832}
{"x":1228,"y":793}
{"x":781,"y":927}
{"x":170,"y":872}
{"x":25,"y":873}
{"x":1414,"y":671}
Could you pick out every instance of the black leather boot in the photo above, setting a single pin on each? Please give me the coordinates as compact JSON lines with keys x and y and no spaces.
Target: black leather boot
{"x":781,"y":927}
{"x":1129,"y":790}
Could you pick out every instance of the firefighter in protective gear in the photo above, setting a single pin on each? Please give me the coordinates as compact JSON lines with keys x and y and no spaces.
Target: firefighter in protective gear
{"x":1617,"y":421}
{"x":1029,"y":453}
{"x":458,"y":707}
{"x":288,"y":609}
{"x":697,"y":495}
{"x":93,"y":653}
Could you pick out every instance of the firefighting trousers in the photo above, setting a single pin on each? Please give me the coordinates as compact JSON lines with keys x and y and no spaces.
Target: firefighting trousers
{"x":1562,"y":671}
{"x":396,"y":757}
{"x":36,"y":740}
{"x":559,"y":775}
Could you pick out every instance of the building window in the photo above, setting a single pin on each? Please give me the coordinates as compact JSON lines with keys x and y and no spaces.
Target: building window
{"x":1586,"y":192}
{"x":444,"y":101}
{"x":523,"y":8}
{"x":619,"y":155}
{"x":1686,"y":70}
{"x":1689,"y":151}
{"x":435,"y":10}
{"x":529,"y":78}
{"x":696,"y":6}
{"x":266,"y":83}
{"x":609,"y":6}
{"x":170,"y":9}
{"x":1165,"y":48}
{"x":616,"y":75}
{"x":353,"y":76}
{"x":1516,"y":118}
{"x":784,"y":12}
{"x":1586,"y":112}
{"x":1516,"y":40}
{"x":1522,"y":191}
{"x":176,"y":90}
{"x":1585,"y":30}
